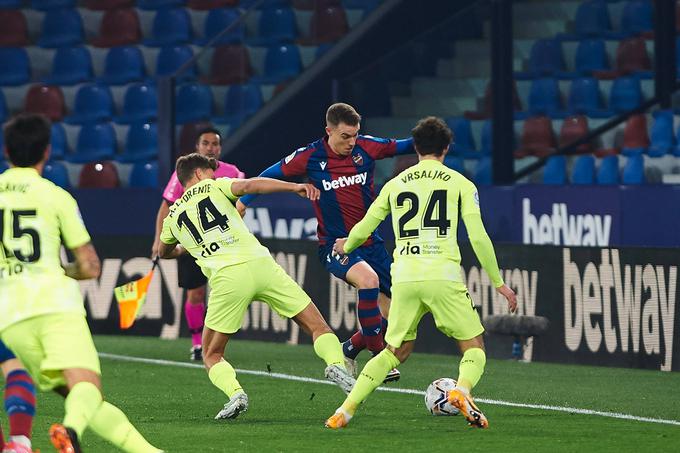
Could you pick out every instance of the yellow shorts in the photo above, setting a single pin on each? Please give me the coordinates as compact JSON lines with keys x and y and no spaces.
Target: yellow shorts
{"x":48,"y":344}
{"x":449,"y":302}
{"x":233,"y":288}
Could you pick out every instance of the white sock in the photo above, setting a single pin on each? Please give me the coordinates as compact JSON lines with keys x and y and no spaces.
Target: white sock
{"x":345,"y":413}
{"x":23,"y":440}
{"x":465,"y":391}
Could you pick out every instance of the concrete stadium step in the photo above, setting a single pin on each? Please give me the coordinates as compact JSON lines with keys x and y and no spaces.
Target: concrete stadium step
{"x":439,"y":106}
{"x":431,"y":86}
{"x":553,"y":10}
{"x":476,"y":67}
{"x":387,"y":126}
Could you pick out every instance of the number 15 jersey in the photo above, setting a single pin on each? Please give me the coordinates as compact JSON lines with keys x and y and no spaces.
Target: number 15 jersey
{"x":206,"y":223}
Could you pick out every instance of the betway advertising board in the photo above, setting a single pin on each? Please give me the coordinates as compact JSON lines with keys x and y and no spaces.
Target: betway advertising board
{"x":606,"y":306}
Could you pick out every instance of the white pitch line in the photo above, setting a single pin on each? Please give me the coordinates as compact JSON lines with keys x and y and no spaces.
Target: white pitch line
{"x":291,"y":377}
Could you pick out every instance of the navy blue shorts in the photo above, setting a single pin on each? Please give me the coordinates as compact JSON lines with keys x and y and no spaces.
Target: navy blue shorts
{"x":374,"y":255}
{"x":5,"y":354}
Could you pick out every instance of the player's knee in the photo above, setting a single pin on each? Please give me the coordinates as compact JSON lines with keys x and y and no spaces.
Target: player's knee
{"x":196,"y":295}
{"x":369,"y":280}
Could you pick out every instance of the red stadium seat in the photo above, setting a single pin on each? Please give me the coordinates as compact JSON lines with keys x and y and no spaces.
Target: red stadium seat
{"x":487,"y":104}
{"x":573,"y":128}
{"x":230,"y":65}
{"x":635,"y":135}
{"x":188,"y":135}
{"x":538,"y":138}
{"x":47,"y":100}
{"x":99,"y":5}
{"x":13,"y":28}
{"x":98,"y":175}
{"x":327,"y":24}
{"x":205,"y":5}
{"x":119,"y":27}
{"x":631,"y":57}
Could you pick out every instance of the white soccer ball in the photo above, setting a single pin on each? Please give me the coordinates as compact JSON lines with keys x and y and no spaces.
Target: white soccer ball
{"x":436,"y":400}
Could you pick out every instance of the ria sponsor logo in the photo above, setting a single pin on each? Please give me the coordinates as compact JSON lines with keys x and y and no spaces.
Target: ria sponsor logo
{"x":344,"y":181}
{"x":562,"y":228}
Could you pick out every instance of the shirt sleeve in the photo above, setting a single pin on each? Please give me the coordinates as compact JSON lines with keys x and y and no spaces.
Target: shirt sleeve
{"x":295,"y":164}
{"x":166,"y":234}
{"x":379,"y":209}
{"x":71,"y":223}
{"x":405,"y":146}
{"x":224,"y":184}
{"x":378,"y":148}
{"x":174,"y":190}
{"x":275,"y":171}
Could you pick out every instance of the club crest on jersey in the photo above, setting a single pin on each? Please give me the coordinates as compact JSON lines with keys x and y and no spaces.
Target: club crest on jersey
{"x":358,"y":159}
{"x":322,"y":164}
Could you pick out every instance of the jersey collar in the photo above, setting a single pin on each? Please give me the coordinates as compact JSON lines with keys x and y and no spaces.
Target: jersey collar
{"x":24,"y":171}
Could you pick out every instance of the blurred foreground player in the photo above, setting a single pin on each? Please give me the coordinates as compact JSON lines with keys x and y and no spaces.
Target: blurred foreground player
{"x":240,"y":269}
{"x":42,"y":317}
{"x":424,"y":201}
{"x":208,"y":143}
{"x":19,"y":403}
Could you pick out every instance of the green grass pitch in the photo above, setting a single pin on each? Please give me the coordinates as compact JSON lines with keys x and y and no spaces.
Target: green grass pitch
{"x":174,"y":406}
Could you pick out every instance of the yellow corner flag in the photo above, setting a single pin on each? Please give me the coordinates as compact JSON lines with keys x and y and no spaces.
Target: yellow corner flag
{"x":131,"y":297}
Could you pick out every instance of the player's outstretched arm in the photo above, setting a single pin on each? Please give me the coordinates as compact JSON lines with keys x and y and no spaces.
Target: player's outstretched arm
{"x":362,"y":230}
{"x":405,"y":146}
{"x":170,"y":251}
{"x":268,"y":185}
{"x":274,"y":171}
{"x":86,"y":265}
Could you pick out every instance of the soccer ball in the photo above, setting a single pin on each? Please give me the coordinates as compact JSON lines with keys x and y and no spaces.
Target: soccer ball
{"x":436,"y":397}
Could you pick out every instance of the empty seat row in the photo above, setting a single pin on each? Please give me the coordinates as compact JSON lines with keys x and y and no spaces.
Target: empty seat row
{"x":99,"y":5}
{"x":586,"y":172}
{"x":593,"y":19}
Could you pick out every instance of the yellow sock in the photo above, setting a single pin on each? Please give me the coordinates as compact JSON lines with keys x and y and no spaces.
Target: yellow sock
{"x":370,"y":378}
{"x":471,"y":368}
{"x":223,"y":376}
{"x":80,"y":406}
{"x":329,"y":349}
{"x":110,"y":423}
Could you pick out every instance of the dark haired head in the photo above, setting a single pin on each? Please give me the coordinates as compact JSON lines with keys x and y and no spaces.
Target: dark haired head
{"x":187,"y":165}
{"x":27,"y":136}
{"x":342,"y":113}
{"x":208,"y":130}
{"x":431,"y":136}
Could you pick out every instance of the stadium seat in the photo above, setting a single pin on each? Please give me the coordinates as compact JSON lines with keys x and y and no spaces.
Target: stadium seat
{"x":45,"y":5}
{"x":555,"y":171}
{"x":591,"y":56}
{"x":634,"y":170}
{"x":230,"y":65}
{"x":573,"y":128}
{"x":662,"y":140}
{"x":276,"y":25}
{"x":625,"y":94}
{"x":93,"y":103}
{"x":585,"y":99}
{"x":3,"y":108}
{"x":545,"y":59}
{"x":591,"y":20}
{"x":486,"y":146}
{"x":636,"y":17}
{"x":3,"y":166}
{"x":58,"y":142}
{"x":483,"y":172}
{"x":144,"y":174}
{"x":123,"y":65}
{"x":454,"y":163}
{"x":99,"y":5}
{"x":96,"y":141}
{"x":171,"y":58}
{"x":60,"y":28}
{"x":159,"y":4}
{"x":463,"y":141}
{"x":119,"y":27}
{"x":608,"y":171}
{"x":327,"y":24}
{"x":141,"y":143}
{"x":545,"y":98}
{"x":584,"y":170}
{"x":70,"y":66}
{"x":240,"y":103}
{"x":631,"y":58}
{"x":140,"y":104}
{"x":98,"y":175}
{"x":194,"y":102}
{"x":46,"y":100}
{"x":189,"y":134}
{"x":11,"y":4}
{"x":205,"y":5}
{"x":14,"y":66}
{"x":57,"y":173}
{"x":170,"y":26}
{"x":13,"y":28}
{"x":487,"y":104}
{"x":538,"y":138}
{"x":216,"y":21}
{"x":635,"y":136}
{"x":281,"y":63}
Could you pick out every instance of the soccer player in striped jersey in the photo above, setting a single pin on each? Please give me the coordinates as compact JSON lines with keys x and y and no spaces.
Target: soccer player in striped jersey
{"x":341,"y":165}
{"x":208,"y":143}
{"x":19,"y":403}
{"x":42,"y":316}
{"x":424,"y":201}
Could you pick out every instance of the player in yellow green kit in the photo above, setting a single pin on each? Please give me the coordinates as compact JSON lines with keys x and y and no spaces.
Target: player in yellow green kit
{"x":239,"y":269}
{"x":426,"y":276}
{"x":42,"y":317}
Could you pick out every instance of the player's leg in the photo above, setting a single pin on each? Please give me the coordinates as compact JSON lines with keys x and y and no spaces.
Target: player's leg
{"x":19,"y":400}
{"x":222,"y":374}
{"x":191,"y":278}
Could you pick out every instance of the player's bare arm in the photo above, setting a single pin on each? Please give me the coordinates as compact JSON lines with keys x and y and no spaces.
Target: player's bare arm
{"x":163,"y":211}
{"x":170,"y":251}
{"x":268,"y":185}
{"x":86,"y":264}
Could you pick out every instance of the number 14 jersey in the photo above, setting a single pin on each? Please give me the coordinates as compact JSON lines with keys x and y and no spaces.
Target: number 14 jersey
{"x":206,"y":223}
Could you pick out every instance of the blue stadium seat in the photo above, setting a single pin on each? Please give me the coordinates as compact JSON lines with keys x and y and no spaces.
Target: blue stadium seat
{"x":584,"y":170}
{"x":57,"y":173}
{"x":144,"y":174}
{"x":14,"y":66}
{"x":483,"y":172}
{"x":281,"y":63}
{"x":276,"y":25}
{"x":123,"y":65}
{"x":455,"y":163}
{"x":93,"y":103}
{"x":545,"y":98}
{"x":58,"y":142}
{"x":96,"y":141}
{"x":11,"y":4}
{"x":555,"y":170}
{"x":608,"y":171}
{"x":216,"y":21}
{"x":591,"y":55}
{"x":463,"y":141}
{"x":60,"y":28}
{"x":44,"y":5}
{"x":592,"y":20}
{"x":159,"y":4}
{"x":70,"y":66}
{"x":194,"y":102}
{"x":140,"y":104}
{"x":625,"y":94}
{"x":634,"y":170}
{"x":487,"y":138}
{"x":240,"y":103}
{"x":141,"y":143}
{"x":661,"y":136}
{"x":3,"y":108}
{"x":545,"y":59}
{"x":3,"y":166}
{"x":585,"y":99}
{"x":676,"y":148}
{"x":636,"y":17}
{"x":170,"y":26}
{"x":171,"y":58}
